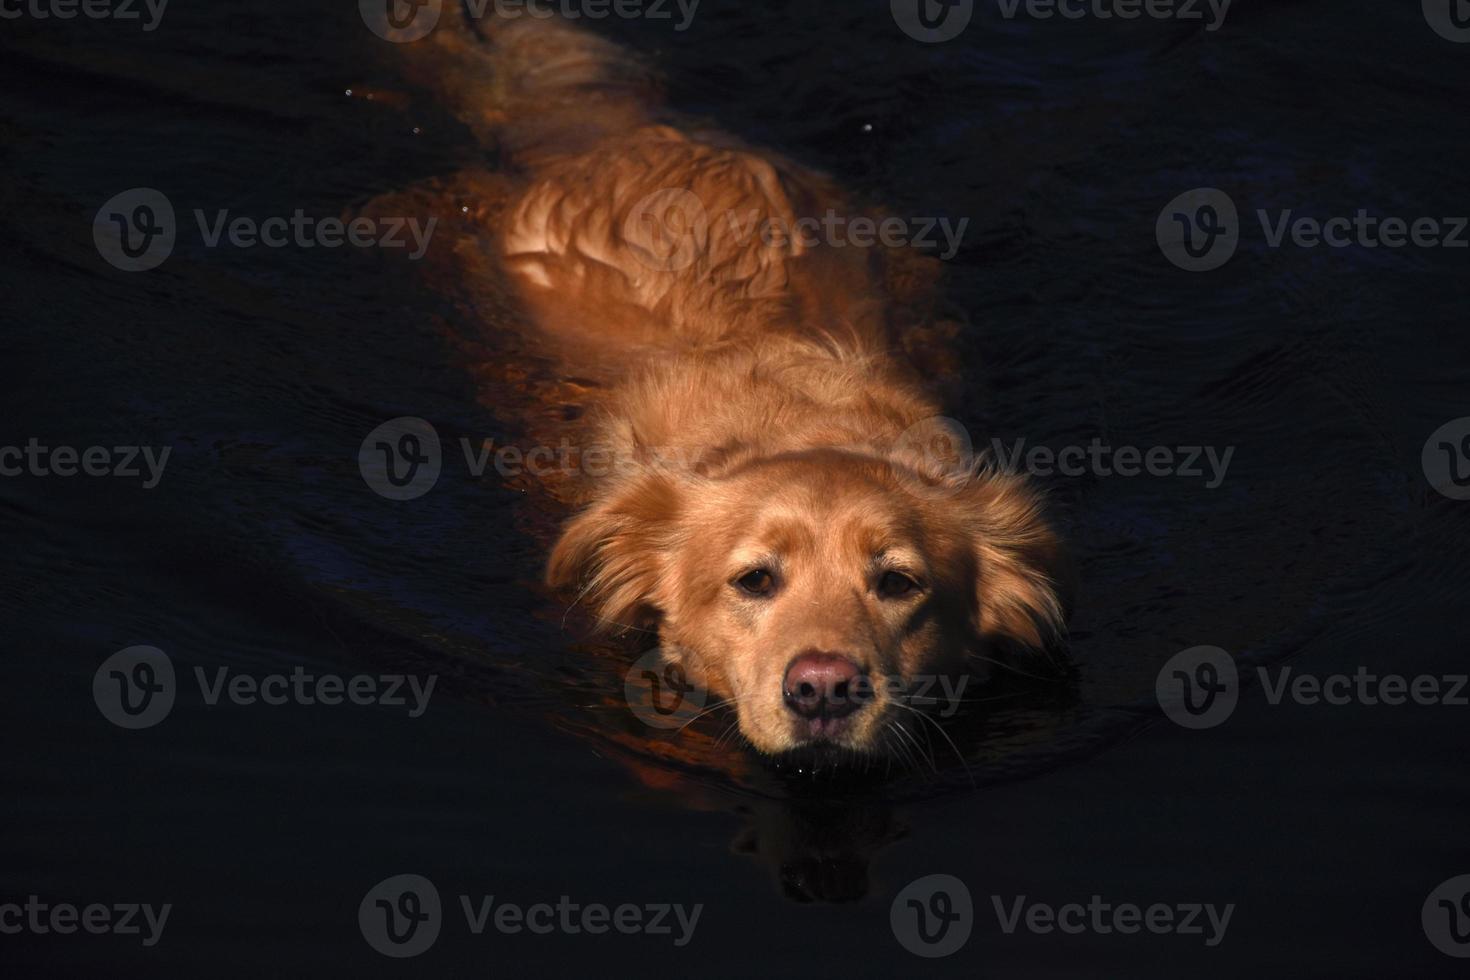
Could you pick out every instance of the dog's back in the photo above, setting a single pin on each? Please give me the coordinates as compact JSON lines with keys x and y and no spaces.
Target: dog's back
{"x":776,"y":502}
{"x":635,"y":227}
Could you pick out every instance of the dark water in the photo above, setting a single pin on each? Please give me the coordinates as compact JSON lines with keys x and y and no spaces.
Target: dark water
{"x":261,"y":548}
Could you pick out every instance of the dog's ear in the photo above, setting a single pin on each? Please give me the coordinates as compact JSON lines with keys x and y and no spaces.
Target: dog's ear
{"x":617,"y":552}
{"x":1022,"y":572}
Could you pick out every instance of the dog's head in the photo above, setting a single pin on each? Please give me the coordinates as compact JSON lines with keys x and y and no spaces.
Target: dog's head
{"x":818,"y":590}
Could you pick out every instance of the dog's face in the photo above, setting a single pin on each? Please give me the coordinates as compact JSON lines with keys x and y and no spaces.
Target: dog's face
{"x":820,"y":590}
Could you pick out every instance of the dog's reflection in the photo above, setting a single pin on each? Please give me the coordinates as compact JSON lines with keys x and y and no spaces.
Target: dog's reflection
{"x":818,"y":850}
{"x":814,"y":823}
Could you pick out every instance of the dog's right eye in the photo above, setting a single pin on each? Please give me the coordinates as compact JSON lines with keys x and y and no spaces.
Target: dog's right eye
{"x":759,"y":582}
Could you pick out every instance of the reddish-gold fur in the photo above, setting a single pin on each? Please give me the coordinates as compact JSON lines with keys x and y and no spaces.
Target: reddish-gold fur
{"x":763,"y":415}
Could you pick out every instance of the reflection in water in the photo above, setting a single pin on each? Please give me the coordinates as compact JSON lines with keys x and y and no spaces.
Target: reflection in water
{"x":815,"y":828}
{"x":818,"y":849}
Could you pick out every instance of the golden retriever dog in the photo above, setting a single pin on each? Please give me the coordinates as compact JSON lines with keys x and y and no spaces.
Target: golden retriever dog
{"x":778,"y":509}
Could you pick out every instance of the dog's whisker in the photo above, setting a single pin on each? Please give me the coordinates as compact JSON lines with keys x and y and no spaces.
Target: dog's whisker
{"x":909,"y":699}
{"x":731,"y":730}
{"x":940,"y":729}
{"x":913,"y":751}
{"x":898,"y":743}
{"x":1003,"y":665}
{"x":723,"y":704}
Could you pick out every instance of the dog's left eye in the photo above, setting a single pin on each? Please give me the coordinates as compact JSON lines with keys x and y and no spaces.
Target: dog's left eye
{"x":896,"y":585}
{"x":759,"y":582}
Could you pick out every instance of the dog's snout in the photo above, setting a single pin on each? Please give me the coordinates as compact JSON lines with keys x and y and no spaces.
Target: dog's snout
{"x":825,"y":685}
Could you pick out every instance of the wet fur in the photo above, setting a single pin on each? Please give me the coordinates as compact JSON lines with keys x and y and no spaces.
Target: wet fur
{"x":764,"y":402}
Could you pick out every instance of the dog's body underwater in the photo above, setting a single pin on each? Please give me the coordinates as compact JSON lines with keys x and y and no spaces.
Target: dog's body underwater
{"x":777,"y":511}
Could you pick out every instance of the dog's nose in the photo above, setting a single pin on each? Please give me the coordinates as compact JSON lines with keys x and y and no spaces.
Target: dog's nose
{"x":825,"y":685}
